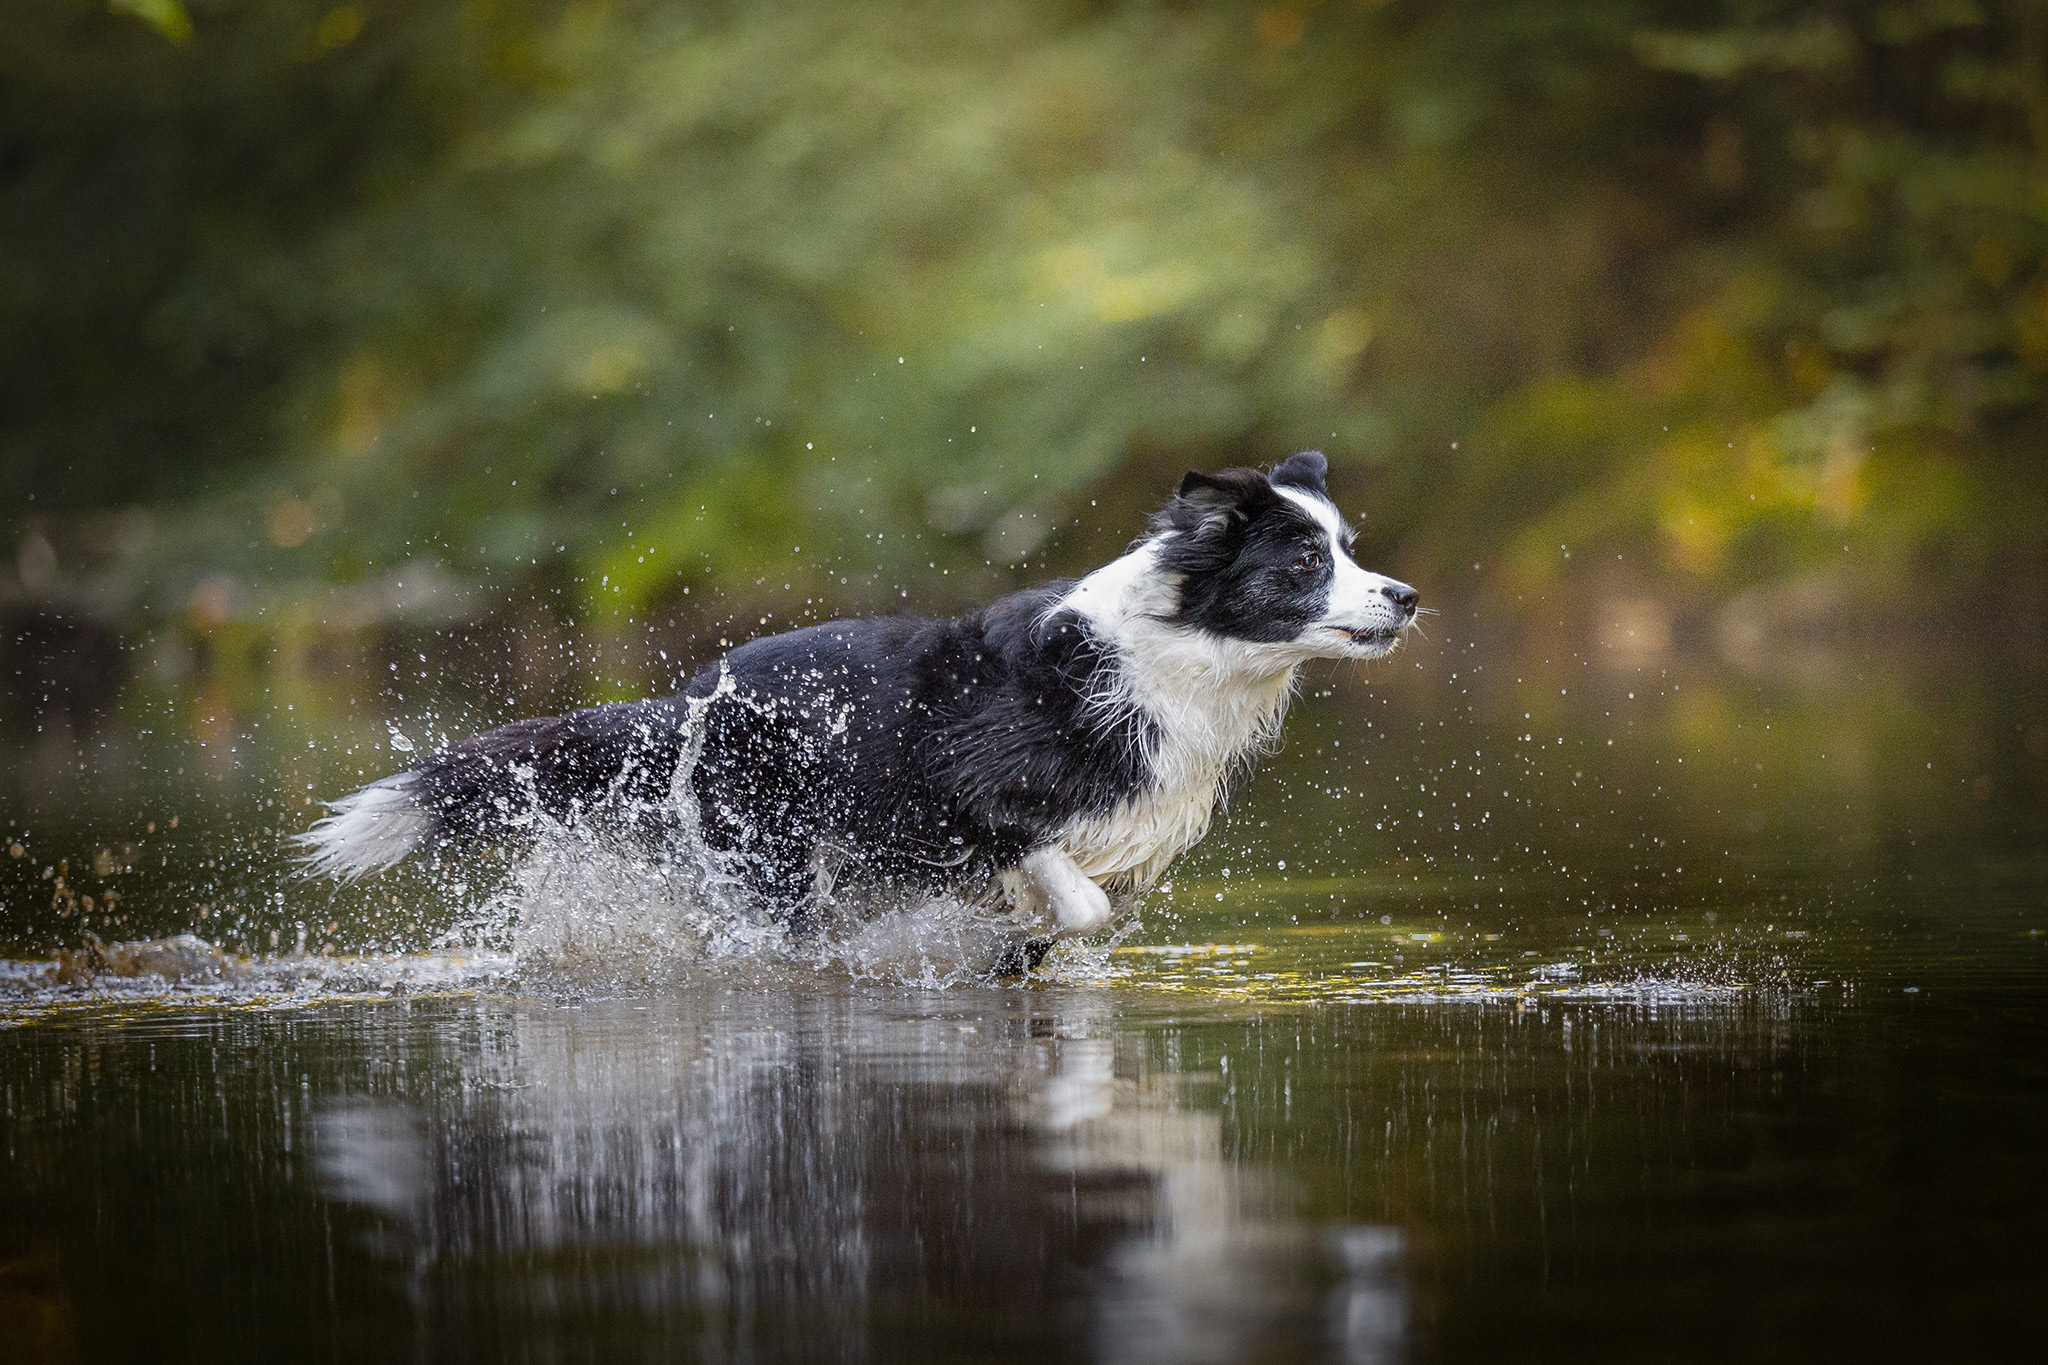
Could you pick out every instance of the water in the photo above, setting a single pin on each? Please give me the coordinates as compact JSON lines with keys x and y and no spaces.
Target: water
{"x":1544,"y":1009}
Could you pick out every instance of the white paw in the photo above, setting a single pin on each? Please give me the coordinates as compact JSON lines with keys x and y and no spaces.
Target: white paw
{"x":1078,"y":904}
{"x":1086,"y":910}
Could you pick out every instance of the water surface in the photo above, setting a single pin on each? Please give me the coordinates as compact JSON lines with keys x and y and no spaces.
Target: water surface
{"x":1553,"y":1011}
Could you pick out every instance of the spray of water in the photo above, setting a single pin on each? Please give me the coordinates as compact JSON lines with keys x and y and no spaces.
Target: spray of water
{"x":627,"y":892}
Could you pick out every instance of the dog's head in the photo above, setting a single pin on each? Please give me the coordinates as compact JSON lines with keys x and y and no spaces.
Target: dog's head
{"x":1265,"y":557}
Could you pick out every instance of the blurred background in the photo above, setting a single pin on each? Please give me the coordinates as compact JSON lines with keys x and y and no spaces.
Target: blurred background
{"x":605,"y":326}
{"x":411,"y":366}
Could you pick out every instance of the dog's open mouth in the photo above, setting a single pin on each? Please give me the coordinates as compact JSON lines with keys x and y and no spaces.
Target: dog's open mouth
{"x":1370,"y":635}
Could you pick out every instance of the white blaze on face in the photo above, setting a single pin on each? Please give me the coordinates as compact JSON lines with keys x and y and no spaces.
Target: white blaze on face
{"x":1357,"y":601}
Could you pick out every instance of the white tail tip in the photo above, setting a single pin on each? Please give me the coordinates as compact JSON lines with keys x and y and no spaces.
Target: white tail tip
{"x":366,"y":831}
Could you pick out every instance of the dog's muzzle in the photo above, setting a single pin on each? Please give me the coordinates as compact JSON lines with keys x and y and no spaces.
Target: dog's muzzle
{"x":1371,"y":635}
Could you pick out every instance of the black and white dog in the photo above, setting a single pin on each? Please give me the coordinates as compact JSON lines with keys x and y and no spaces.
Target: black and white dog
{"x":1054,"y":750}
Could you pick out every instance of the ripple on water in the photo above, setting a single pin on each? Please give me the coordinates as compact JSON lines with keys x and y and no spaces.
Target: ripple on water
{"x":929,"y":946}
{"x":32,"y":990}
{"x":591,"y":922}
{"x":1365,"y":963}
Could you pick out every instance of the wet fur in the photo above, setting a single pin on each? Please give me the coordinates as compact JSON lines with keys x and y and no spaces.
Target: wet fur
{"x":1055,"y":748}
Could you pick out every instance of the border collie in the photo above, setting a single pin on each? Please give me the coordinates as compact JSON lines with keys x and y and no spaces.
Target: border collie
{"x":1055,"y":750}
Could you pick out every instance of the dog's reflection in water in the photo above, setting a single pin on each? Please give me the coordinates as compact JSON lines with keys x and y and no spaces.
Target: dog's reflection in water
{"x":869,"y":1176}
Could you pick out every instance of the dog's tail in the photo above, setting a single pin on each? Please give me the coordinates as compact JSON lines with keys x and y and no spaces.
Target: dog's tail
{"x":497,"y":787}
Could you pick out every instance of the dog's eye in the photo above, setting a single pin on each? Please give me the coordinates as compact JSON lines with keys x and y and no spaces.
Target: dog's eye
{"x":1310,"y":561}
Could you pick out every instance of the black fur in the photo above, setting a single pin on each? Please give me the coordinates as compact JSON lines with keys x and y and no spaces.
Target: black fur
{"x":619,"y":757}
{"x":926,"y":753}
{"x":922,"y":753}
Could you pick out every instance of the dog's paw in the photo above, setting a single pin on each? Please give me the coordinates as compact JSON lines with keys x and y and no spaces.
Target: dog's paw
{"x":1078,"y":905}
{"x":1084,"y":909}
{"x":1021,"y":957}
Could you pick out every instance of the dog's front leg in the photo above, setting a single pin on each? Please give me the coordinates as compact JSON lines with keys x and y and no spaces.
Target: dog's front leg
{"x":1079,"y":905}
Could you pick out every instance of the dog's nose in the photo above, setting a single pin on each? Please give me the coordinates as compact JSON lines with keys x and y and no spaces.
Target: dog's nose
{"x":1402,"y":596}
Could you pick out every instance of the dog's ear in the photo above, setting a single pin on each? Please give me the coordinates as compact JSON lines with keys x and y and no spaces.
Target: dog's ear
{"x":1207,"y":504}
{"x":1235,"y":491}
{"x":1198,"y":487}
{"x":1305,"y":471}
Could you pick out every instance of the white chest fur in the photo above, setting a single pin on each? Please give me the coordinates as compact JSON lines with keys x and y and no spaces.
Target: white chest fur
{"x":1132,"y":845}
{"x":1212,"y":702}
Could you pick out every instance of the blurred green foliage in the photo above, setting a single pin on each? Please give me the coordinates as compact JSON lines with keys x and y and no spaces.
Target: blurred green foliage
{"x":301,"y":303}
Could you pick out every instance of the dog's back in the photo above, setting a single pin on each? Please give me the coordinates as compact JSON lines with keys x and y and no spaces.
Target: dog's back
{"x":919,"y":751}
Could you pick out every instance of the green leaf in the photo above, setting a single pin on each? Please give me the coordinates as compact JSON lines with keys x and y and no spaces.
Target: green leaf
{"x":167,"y":17}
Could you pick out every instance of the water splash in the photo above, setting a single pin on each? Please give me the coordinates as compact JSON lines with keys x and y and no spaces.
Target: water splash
{"x":582,"y":915}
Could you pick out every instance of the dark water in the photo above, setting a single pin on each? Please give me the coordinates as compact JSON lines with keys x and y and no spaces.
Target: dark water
{"x":1562,"y":1010}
